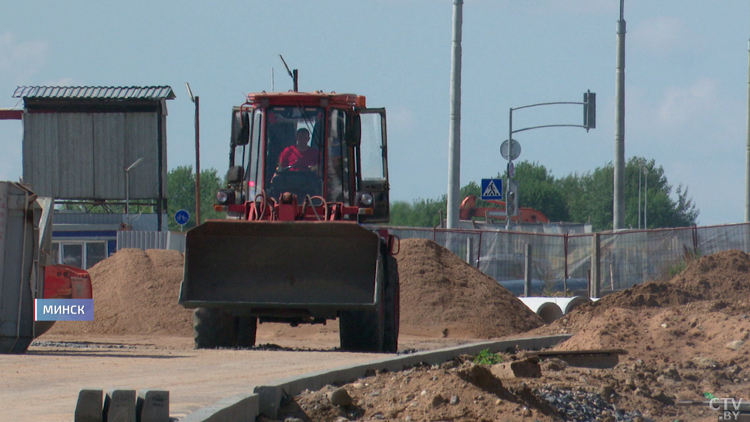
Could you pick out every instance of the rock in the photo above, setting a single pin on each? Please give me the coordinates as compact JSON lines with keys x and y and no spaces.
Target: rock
{"x":524,"y":368}
{"x":554,"y":364}
{"x":437,"y":401}
{"x":449,"y":365}
{"x":341,"y":419}
{"x":734,"y":345}
{"x":340,"y":397}
{"x":293,"y":420}
{"x":659,"y":395}
{"x":526,"y":412}
{"x":705,"y":363}
{"x":454,"y":400}
{"x":642,"y":391}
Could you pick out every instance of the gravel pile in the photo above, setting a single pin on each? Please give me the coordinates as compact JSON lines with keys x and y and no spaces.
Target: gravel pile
{"x":581,"y":406}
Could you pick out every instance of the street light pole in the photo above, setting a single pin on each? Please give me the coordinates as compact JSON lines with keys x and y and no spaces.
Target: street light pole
{"x":127,"y":189}
{"x":618,"y":214}
{"x":196,"y":100}
{"x":454,"y":141}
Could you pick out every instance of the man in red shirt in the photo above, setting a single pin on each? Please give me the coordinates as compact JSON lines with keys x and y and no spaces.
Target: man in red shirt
{"x":300,"y":156}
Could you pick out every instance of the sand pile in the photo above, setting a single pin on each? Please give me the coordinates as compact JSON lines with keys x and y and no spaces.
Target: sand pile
{"x":135,"y":293}
{"x":439,"y":292}
{"x":703,"y":311}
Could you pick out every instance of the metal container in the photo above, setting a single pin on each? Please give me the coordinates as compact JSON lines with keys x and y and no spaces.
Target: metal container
{"x":21,"y":277}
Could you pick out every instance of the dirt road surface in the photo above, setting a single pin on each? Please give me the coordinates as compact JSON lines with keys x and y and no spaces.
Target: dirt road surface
{"x":43,"y":384}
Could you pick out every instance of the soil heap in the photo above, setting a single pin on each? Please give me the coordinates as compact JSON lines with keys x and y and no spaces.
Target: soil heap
{"x":703,"y":311}
{"x":441,"y":295}
{"x":135,"y":293}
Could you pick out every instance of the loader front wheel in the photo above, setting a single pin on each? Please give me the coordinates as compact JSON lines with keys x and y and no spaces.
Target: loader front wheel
{"x":391,"y":307}
{"x":214,"y":328}
{"x":247,"y":327}
{"x":360,"y":331}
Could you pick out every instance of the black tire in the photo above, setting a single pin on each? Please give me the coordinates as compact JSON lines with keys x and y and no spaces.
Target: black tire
{"x":360,"y":331}
{"x":391,"y":307}
{"x":247,"y":328}
{"x":214,"y":328}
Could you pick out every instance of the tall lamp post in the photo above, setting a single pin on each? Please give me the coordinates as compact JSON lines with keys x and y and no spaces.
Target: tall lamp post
{"x":618,"y":214}
{"x":127,"y":189}
{"x":196,"y":100}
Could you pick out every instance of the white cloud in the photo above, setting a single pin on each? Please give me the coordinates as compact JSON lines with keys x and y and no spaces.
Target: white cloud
{"x":661,"y":35}
{"x":683,"y":104}
{"x":21,"y":59}
{"x":400,"y":118}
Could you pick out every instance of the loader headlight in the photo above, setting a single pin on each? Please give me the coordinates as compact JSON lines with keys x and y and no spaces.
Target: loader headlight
{"x":365,"y":199}
{"x":225,"y":196}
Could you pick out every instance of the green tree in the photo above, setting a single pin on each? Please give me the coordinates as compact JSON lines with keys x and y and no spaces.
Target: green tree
{"x":181,"y":189}
{"x":590,"y":197}
{"x":539,"y":190}
{"x":580,"y":198}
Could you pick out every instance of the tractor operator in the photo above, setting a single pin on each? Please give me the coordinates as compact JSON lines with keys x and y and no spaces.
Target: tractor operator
{"x":300,"y":156}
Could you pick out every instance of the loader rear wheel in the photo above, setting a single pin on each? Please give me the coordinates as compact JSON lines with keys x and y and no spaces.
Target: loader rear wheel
{"x":391,"y":307}
{"x":247,"y":327}
{"x":214,"y":328}
{"x":360,"y":331}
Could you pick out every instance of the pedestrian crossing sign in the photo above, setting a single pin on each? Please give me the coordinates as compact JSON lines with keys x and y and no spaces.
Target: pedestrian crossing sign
{"x":492,"y":189}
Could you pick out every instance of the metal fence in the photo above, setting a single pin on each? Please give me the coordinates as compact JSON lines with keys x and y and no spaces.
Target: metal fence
{"x":625,"y":258}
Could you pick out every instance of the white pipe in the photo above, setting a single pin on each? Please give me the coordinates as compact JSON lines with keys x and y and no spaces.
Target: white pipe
{"x":567,"y":304}
{"x":545,"y":307}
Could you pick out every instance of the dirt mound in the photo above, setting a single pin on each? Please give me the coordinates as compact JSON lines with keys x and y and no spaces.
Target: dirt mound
{"x":441,"y":295}
{"x":135,"y":293}
{"x":703,"y":311}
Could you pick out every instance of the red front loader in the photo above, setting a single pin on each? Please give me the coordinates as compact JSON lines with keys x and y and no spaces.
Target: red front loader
{"x":295,"y":247}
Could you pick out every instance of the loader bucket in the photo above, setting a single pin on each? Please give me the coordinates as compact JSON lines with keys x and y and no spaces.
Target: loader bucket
{"x":271,"y":264}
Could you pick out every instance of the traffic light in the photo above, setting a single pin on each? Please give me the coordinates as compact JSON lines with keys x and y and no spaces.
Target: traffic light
{"x":589,"y":110}
{"x":511,"y":202}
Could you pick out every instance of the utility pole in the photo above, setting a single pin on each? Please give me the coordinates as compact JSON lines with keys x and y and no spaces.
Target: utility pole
{"x":747,"y":147}
{"x":454,"y":142}
{"x":196,"y":101}
{"x":618,"y":214}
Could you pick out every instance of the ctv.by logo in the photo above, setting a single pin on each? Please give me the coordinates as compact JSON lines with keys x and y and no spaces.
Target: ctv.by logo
{"x":63,"y":309}
{"x":729,"y":408}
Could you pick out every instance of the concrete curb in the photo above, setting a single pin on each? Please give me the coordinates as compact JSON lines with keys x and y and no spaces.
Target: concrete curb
{"x":267,"y":398}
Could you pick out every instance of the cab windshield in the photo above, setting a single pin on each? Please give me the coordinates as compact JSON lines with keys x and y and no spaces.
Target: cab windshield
{"x":295,"y":151}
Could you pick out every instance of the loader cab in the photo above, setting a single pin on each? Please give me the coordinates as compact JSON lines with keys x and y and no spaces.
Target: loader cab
{"x":344,"y":161}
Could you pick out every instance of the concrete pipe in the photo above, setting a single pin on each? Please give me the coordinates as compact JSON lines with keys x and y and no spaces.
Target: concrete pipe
{"x":545,"y":307}
{"x":567,"y":304}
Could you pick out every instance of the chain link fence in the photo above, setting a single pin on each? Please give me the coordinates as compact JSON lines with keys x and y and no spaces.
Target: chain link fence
{"x":561,"y":261}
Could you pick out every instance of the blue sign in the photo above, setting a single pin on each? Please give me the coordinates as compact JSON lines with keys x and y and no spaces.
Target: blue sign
{"x":492,"y":189}
{"x":63,"y":309}
{"x":181,"y":217}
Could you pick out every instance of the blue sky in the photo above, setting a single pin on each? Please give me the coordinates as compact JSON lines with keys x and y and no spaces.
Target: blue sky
{"x":686,"y":77}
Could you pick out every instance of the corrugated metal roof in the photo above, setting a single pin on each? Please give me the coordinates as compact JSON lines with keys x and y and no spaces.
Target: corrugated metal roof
{"x":95,"y":92}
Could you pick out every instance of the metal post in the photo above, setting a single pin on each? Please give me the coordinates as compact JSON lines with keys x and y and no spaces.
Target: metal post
{"x":127,"y":190}
{"x":468,"y":251}
{"x":510,"y":155}
{"x":527,"y":272}
{"x":747,"y":146}
{"x":618,"y":214}
{"x":454,"y":147}
{"x":640,"y":173}
{"x":595,"y":270}
{"x":645,"y":201}
{"x":197,"y":162}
